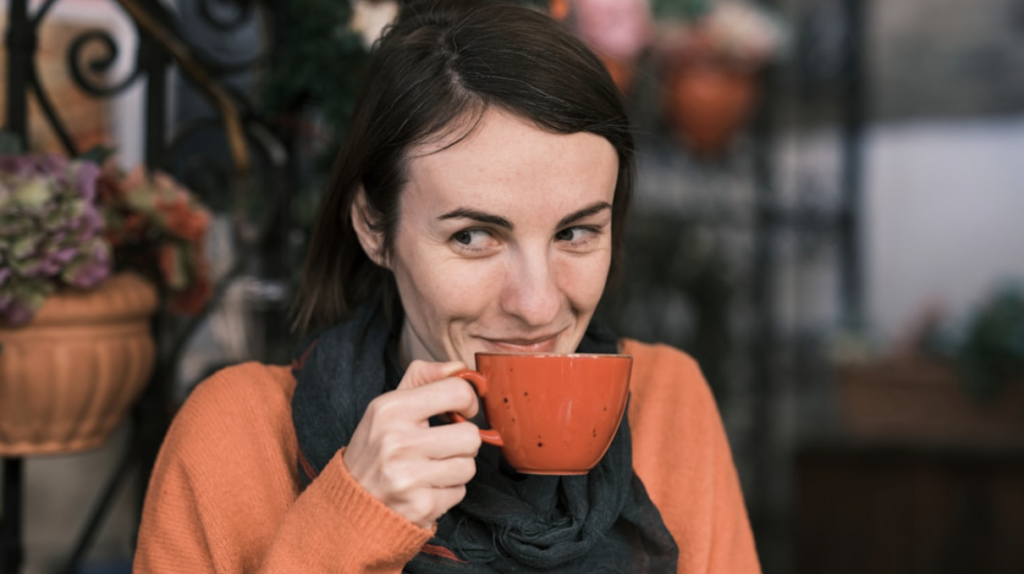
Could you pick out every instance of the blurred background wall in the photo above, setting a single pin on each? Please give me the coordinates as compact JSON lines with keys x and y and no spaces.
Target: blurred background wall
{"x":943,"y":182}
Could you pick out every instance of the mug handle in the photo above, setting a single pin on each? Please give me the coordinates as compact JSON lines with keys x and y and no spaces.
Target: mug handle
{"x":489,"y":436}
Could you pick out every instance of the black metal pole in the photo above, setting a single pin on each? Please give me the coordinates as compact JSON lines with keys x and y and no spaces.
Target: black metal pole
{"x":154,"y":62}
{"x":851,"y":283}
{"x":763,"y":298}
{"x":21,"y":46}
{"x":150,"y":415}
{"x":10,"y":528}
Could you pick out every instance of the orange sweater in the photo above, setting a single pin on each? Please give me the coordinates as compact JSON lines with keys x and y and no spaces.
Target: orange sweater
{"x":224,"y":494}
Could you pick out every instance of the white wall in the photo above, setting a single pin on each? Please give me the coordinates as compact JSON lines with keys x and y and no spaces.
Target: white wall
{"x":944,"y":216}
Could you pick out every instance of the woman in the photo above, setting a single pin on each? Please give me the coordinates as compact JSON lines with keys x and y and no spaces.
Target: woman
{"x":478,"y":205}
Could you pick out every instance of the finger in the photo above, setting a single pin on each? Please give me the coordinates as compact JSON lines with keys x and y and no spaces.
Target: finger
{"x":445,"y":441}
{"x":427,"y":505}
{"x":422,"y":373}
{"x":448,"y":473}
{"x":444,"y":396}
{"x":447,"y":498}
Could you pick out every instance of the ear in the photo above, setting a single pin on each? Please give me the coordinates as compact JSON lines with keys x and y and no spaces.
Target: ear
{"x":372,"y":240}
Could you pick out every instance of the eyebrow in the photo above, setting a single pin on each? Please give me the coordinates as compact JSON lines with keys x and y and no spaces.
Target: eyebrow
{"x":502,"y":222}
{"x":585,"y":212}
{"x":480,"y":216}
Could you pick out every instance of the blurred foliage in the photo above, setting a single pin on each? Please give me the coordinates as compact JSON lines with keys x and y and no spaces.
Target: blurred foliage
{"x":988,"y":349}
{"x":992,"y":353}
{"x":679,"y":9}
{"x":318,"y":66}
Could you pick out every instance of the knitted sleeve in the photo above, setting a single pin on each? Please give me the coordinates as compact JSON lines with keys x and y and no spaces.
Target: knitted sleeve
{"x":682,"y":455}
{"x":223,"y":495}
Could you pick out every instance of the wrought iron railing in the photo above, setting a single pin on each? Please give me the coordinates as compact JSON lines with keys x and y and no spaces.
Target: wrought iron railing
{"x":256,"y":159}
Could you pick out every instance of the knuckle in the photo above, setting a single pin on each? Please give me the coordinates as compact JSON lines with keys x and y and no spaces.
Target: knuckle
{"x":456,"y":494}
{"x":470,"y":433}
{"x":377,"y":407}
{"x":385,"y":409}
{"x":417,"y":365}
{"x":392,"y":446}
{"x":424,"y":508}
{"x":465,"y":469}
{"x":399,"y":480}
{"x":465,"y":395}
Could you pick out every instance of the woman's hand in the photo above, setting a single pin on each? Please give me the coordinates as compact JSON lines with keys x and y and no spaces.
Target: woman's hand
{"x":417,"y":470}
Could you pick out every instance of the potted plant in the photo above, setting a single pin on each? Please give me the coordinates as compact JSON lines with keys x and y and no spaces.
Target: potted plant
{"x":710,"y":60}
{"x":81,"y":254}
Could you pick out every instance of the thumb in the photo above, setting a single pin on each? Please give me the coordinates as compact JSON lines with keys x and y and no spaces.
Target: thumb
{"x":422,"y":373}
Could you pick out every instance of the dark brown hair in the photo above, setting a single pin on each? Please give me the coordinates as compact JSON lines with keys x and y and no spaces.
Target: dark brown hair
{"x":435,"y":72}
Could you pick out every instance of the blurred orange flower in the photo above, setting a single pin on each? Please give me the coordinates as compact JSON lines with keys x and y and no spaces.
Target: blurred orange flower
{"x":158,"y":226}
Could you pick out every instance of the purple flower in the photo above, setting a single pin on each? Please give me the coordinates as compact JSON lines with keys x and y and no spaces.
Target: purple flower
{"x":53,"y":164}
{"x":19,"y":166}
{"x":85,"y":180}
{"x":91,"y":220}
{"x":52,"y":231}
{"x":90,"y":269}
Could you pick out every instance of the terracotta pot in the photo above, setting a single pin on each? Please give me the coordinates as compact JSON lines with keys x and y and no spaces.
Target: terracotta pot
{"x":68,"y":377}
{"x":708,"y":102}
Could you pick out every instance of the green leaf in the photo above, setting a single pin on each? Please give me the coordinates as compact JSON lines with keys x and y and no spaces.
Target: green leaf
{"x":99,"y":154}
{"x":22,"y":247}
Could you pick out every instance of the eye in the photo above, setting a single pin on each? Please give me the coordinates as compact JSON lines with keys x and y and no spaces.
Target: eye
{"x":468,"y":236}
{"x":464,"y":237}
{"x":577,"y":235}
{"x":474,"y":240}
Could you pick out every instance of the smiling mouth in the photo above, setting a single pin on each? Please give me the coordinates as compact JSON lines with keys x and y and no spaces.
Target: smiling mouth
{"x":537,"y":345}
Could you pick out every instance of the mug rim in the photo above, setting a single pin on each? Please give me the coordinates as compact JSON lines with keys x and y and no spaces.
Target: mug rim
{"x":554,"y":355}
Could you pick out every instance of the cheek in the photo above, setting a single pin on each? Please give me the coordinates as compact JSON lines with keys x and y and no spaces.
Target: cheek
{"x":583,"y":280}
{"x":441,"y":290}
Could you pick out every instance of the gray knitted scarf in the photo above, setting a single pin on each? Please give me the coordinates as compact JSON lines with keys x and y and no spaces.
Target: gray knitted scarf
{"x":508,"y":522}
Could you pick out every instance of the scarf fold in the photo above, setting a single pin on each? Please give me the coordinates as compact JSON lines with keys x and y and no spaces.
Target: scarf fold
{"x":508,"y":522}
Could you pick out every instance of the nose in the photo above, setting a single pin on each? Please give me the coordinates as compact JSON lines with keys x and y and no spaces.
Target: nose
{"x":531,"y":292}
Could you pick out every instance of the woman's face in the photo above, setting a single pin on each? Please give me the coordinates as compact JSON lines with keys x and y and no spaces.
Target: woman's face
{"x":504,"y":240}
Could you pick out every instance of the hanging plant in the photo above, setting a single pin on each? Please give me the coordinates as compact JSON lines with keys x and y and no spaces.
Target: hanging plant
{"x":710,"y":68}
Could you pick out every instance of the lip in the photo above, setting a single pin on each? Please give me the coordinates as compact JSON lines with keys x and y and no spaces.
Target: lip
{"x":544,"y":344}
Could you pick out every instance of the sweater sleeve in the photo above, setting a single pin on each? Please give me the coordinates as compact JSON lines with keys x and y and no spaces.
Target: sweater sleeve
{"x":223,"y":496}
{"x":682,"y":455}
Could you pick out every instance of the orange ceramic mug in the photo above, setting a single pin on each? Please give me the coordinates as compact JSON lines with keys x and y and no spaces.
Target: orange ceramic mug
{"x":551,"y":413}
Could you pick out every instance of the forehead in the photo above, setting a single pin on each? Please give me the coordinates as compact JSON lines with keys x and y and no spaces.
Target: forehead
{"x":504,"y":158}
